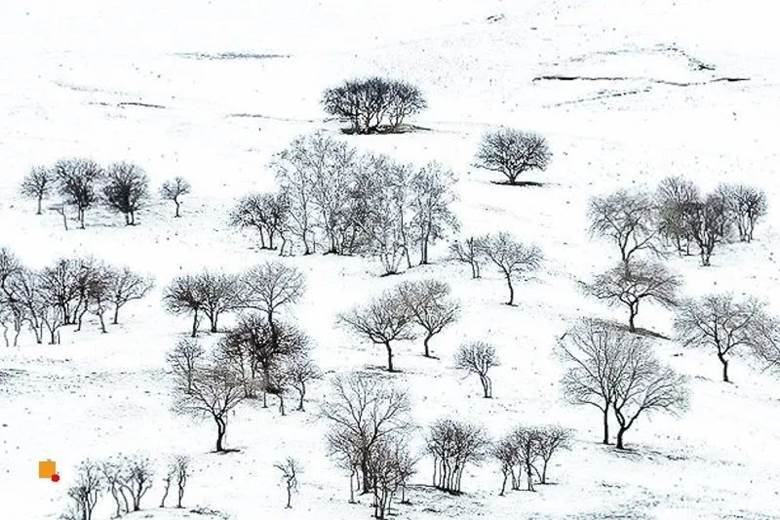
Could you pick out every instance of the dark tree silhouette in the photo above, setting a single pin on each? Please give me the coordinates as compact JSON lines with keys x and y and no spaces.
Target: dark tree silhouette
{"x":126,"y":189}
{"x":511,"y":257}
{"x":38,"y":185}
{"x":478,"y":358}
{"x":173,"y":190}
{"x":430,"y":305}
{"x":627,"y":219}
{"x":512,"y":153}
{"x":76,"y":181}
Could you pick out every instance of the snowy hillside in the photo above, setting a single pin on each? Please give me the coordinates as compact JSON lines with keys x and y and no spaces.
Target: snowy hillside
{"x":626,"y":94}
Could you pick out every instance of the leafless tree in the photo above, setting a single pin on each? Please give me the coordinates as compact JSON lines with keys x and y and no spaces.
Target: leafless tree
{"x":86,"y":489}
{"x":173,"y":190}
{"x":630,"y":284}
{"x":511,"y":257}
{"x":267,"y":213}
{"x":76,"y":181}
{"x":745,"y":205}
{"x":642,"y":386}
{"x":453,"y":445}
{"x":137,"y":476}
{"x":512,"y":153}
{"x":60,"y":285}
{"x":627,"y":219}
{"x":112,"y":475}
{"x":551,"y":439}
{"x":478,"y":357}
{"x":591,"y":351}
{"x":383,"y":320}
{"x":290,"y":469}
{"x":183,"y":296}
{"x":506,"y":454}
{"x":181,"y":471}
{"x":126,"y":189}
{"x":468,"y":252}
{"x":215,"y":392}
{"x":675,"y":198}
{"x":723,"y":323}
{"x":374,"y":104}
{"x":271,"y":286}
{"x":363,"y":411}
{"x":184,"y":360}
{"x":126,"y":286}
{"x":318,"y":172}
{"x":301,"y":371}
{"x":97,"y":279}
{"x":389,"y":467}
{"x":526,"y":441}
{"x":38,"y":184}
{"x":708,"y":225}
{"x":432,"y":196}
{"x":431,"y":307}
{"x":262,"y":348}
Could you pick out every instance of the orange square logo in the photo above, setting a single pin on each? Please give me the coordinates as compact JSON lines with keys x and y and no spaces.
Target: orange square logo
{"x":47,"y":468}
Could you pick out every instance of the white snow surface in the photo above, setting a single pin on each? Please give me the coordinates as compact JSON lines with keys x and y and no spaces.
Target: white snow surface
{"x":68,"y":71}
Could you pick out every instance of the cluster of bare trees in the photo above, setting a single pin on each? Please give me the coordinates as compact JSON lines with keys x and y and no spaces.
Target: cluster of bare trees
{"x":62,"y":294}
{"x":478,"y":357}
{"x":512,"y":258}
{"x":616,"y":371}
{"x":528,"y":450}
{"x":407,"y":311}
{"x":335,"y":199}
{"x":368,"y":437}
{"x":259,"y":353}
{"x":374,"y":105}
{"x":678,"y":215}
{"x":127,"y":479}
{"x":82,"y":184}
{"x":512,"y":153}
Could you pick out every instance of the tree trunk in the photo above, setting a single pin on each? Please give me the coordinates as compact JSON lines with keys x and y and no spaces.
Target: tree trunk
{"x":425,"y":344}
{"x":195,"y":324}
{"x":40,"y":200}
{"x":116,"y":315}
{"x":177,"y":215}
{"x":606,"y":425}
{"x":511,"y":290}
{"x":389,"y":357}
{"x":620,"y":433}
{"x":631,"y":316}
{"x":221,"y":427}
{"x":165,"y":493}
{"x":725,"y":363}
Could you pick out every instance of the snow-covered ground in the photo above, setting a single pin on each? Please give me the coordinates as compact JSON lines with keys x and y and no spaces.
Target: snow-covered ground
{"x":120,"y":80}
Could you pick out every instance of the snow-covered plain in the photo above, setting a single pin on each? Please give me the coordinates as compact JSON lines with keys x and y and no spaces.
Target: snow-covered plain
{"x":68,"y":71}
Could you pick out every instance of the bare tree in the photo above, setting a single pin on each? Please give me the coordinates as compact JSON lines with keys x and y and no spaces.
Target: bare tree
{"x":767,"y":348}
{"x":38,"y":184}
{"x":642,"y":385}
{"x":383,"y":320}
{"x":364,"y":411}
{"x":506,"y":454}
{"x":183,"y":296}
{"x":137,"y":476}
{"x":86,"y":489}
{"x":389,"y":467}
{"x":431,"y":307}
{"x":453,"y":445}
{"x":374,"y":104}
{"x":184,"y":360}
{"x":181,"y":472}
{"x":126,"y":286}
{"x":630,"y":284}
{"x":301,"y":371}
{"x":708,"y":225}
{"x":551,"y":439}
{"x":173,"y":190}
{"x":745,"y":205}
{"x":478,"y":358}
{"x":264,"y":348}
{"x":627,"y":219}
{"x":468,"y":252}
{"x":512,"y":153}
{"x":591,"y":350}
{"x":526,"y":441}
{"x":267,"y":213}
{"x":511,"y":257}
{"x":723,"y":323}
{"x":215,"y":392}
{"x":76,"y":180}
{"x":290,"y":469}
{"x":126,"y":189}
{"x":431,"y":199}
{"x":271,"y":286}
{"x":675,"y":199}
